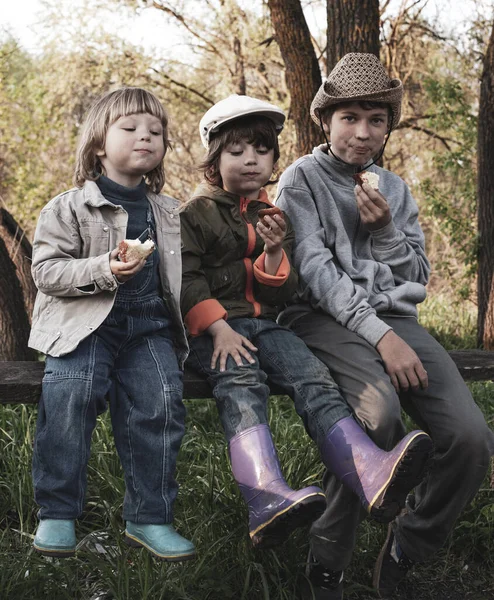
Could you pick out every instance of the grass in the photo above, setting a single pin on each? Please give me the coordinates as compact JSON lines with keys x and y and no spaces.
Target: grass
{"x":210,"y":511}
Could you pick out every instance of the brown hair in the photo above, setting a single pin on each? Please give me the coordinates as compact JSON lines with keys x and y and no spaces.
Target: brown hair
{"x":255,"y":130}
{"x":103,"y":113}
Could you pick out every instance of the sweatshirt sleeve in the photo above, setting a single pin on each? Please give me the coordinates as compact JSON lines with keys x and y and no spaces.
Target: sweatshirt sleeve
{"x":198,"y":306}
{"x":326,"y":286}
{"x":401,"y":245}
{"x":57,"y":269}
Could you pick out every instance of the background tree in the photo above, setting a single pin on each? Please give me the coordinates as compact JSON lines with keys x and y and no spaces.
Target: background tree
{"x":19,"y":251}
{"x":227,"y":47}
{"x":353,"y":26}
{"x":486,"y":200}
{"x":302,"y":73}
{"x":14,"y":323}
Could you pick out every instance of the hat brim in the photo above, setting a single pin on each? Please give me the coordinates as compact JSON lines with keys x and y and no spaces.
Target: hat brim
{"x":392,"y":96}
{"x":278,"y":119}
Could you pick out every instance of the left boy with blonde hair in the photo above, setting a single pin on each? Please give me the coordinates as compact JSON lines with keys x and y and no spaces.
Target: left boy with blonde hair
{"x":98,"y":318}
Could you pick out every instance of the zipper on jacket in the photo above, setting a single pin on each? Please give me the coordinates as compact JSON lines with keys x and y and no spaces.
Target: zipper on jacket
{"x":249,"y":269}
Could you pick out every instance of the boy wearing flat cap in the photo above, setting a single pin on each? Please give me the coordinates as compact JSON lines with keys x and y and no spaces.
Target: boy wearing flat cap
{"x":360,"y":254}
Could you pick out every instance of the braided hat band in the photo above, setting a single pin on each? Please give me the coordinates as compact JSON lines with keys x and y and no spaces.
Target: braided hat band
{"x":358,"y":77}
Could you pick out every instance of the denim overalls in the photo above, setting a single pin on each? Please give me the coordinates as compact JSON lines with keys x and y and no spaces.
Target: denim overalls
{"x":134,"y":350}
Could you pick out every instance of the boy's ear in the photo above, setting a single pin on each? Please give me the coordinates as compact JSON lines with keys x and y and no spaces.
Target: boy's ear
{"x":325,"y":126}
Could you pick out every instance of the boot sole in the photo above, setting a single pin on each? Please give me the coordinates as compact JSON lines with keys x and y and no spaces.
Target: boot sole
{"x":135,"y":543}
{"x":276,"y":531}
{"x":53,"y":553}
{"x":409,"y":471}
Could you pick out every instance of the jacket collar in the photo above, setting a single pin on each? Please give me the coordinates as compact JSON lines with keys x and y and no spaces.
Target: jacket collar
{"x":93,"y":196}
{"x":221,"y":196}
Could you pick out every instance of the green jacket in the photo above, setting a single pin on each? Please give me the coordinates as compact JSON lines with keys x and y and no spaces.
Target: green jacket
{"x":223,"y":261}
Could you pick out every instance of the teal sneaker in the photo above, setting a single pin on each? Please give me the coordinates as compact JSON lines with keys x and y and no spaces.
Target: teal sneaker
{"x":55,"y":537}
{"x":161,"y":540}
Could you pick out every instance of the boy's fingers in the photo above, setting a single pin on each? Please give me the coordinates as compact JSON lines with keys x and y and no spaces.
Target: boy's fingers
{"x":423,"y":377}
{"x":246,"y":354}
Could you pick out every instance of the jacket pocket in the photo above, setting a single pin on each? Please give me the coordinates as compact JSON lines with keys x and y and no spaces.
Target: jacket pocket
{"x":95,"y":238}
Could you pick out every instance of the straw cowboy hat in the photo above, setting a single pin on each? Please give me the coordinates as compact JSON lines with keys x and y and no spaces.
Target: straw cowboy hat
{"x":356,"y":77}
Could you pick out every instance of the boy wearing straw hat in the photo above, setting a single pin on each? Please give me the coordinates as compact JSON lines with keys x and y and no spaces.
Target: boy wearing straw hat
{"x":360,"y":254}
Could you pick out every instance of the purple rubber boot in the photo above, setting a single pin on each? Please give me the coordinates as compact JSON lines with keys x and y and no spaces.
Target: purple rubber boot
{"x":382,"y":480}
{"x":275,"y":510}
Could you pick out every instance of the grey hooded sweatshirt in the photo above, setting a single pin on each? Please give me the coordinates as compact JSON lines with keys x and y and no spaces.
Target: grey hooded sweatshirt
{"x":344,"y":270}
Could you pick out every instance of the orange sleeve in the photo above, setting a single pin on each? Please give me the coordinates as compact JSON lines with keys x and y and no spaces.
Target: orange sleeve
{"x":199,"y":318}
{"x":272,"y":280}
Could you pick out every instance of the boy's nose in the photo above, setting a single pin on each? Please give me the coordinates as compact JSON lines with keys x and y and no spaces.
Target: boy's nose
{"x":362,"y":130}
{"x":251,"y":157}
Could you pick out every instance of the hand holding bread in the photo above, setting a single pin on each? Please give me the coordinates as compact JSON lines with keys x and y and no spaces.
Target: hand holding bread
{"x":269,"y":212}
{"x":373,"y":207}
{"x":129,"y":258}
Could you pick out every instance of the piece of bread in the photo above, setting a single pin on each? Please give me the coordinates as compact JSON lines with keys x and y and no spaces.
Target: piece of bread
{"x":131,"y":249}
{"x":367,"y":177}
{"x":270,"y":212}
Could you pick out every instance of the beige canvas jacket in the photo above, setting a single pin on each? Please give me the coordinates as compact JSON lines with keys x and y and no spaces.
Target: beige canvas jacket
{"x":75,"y":234}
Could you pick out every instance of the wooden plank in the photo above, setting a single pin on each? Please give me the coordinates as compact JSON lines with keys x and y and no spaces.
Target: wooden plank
{"x":474,"y":365}
{"x":20,"y":382}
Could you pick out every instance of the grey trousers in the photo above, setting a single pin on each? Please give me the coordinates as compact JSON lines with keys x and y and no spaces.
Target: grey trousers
{"x":445,"y":410}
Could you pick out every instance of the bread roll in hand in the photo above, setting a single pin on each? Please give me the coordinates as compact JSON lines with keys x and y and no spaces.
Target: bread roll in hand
{"x":269,"y":212}
{"x":129,"y":250}
{"x":367,"y":177}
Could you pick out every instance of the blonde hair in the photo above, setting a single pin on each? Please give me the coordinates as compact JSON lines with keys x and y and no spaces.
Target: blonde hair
{"x":103,"y":113}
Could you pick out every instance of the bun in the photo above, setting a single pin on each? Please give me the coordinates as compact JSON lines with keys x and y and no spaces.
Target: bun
{"x":270,"y":212}
{"x":131,"y":249}
{"x":367,"y":177}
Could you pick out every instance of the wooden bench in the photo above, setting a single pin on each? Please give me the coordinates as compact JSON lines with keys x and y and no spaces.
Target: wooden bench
{"x":20,"y":382}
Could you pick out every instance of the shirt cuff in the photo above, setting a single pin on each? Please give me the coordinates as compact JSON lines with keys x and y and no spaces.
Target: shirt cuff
{"x":272,"y":280}
{"x":373,"y":329}
{"x":386,"y":236}
{"x":199,"y":318}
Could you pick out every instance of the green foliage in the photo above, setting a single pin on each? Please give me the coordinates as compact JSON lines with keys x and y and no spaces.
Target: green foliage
{"x":451,"y":194}
{"x":210,"y":511}
{"x":453,"y":324}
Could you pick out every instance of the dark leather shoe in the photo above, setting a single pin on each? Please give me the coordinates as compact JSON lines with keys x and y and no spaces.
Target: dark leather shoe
{"x":392,"y":566}
{"x":321,"y":583}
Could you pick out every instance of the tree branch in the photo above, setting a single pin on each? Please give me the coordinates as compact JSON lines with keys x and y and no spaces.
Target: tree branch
{"x":179,"y":84}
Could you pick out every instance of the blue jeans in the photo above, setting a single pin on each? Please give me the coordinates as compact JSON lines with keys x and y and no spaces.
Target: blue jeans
{"x":241,"y":393}
{"x":134,"y":348}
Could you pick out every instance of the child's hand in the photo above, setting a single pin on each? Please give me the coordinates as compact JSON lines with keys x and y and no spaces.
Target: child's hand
{"x":227,"y":341}
{"x":124,"y":271}
{"x":272,"y":230}
{"x":402,"y":364}
{"x":374,"y":210}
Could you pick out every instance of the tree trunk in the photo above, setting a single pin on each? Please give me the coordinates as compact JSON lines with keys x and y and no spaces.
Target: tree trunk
{"x":353,"y":26}
{"x":485,"y":160}
{"x":14,"y":324}
{"x":303,"y":76}
{"x":20,"y":252}
{"x":239,"y":78}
